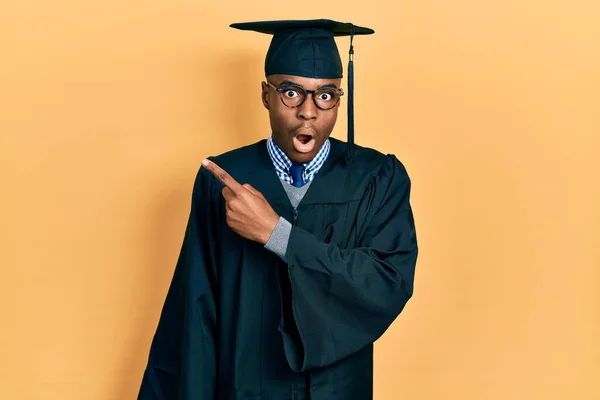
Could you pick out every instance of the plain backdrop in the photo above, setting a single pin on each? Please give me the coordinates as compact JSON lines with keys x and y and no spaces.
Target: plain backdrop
{"x":108,"y":107}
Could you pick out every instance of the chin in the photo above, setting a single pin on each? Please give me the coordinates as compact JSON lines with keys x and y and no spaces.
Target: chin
{"x":304,"y":158}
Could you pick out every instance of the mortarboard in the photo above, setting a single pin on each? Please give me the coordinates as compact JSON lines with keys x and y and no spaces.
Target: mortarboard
{"x":307,"y":48}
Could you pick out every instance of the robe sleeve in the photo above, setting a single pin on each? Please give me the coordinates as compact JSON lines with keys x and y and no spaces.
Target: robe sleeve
{"x":344,"y":299}
{"x":182,"y":360}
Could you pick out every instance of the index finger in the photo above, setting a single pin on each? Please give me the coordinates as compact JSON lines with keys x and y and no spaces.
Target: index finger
{"x":221,"y":175}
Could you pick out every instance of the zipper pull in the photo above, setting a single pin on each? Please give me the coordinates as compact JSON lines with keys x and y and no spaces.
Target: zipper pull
{"x":295,"y":215}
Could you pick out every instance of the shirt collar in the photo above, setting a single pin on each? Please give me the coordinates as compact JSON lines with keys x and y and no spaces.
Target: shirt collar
{"x":282,"y":162}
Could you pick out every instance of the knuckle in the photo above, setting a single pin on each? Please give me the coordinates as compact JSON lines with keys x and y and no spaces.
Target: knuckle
{"x":244,"y":195}
{"x":222,"y":175}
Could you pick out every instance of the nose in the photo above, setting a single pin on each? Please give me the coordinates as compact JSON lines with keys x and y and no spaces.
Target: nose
{"x":308,"y":110}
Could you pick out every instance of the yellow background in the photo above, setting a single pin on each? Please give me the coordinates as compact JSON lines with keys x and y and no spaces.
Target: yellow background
{"x":107,"y":108}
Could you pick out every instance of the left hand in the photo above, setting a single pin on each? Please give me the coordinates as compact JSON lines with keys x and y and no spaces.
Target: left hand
{"x":249,"y":214}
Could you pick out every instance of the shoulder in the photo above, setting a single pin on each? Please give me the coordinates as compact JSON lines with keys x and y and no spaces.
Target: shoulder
{"x":386,"y":180}
{"x":370,"y":163}
{"x":236,"y":162}
{"x":240,"y":158}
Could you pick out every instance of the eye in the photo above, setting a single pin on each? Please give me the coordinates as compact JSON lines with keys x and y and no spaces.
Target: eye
{"x":325,"y":96}
{"x":290,"y":93}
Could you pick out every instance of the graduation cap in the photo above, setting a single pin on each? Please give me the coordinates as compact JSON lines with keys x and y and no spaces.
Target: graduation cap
{"x":307,"y":48}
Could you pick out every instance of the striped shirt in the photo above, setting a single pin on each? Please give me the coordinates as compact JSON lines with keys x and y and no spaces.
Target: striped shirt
{"x":282,"y":163}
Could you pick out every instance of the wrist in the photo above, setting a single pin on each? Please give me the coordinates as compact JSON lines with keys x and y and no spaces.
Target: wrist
{"x":269,"y":228}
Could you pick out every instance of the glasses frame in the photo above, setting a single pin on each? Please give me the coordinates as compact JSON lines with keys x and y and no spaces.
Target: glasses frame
{"x":283,"y":87}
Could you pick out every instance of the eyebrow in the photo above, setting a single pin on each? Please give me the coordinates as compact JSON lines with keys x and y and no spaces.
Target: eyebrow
{"x":288,"y":82}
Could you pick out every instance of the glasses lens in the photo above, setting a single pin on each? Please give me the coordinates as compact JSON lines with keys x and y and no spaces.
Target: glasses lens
{"x":291,"y":95}
{"x":326,"y":98}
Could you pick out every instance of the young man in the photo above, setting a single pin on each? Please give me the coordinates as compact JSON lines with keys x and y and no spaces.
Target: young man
{"x":299,"y":252}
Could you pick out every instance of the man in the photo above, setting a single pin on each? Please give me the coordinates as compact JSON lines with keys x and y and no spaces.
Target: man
{"x":299,"y":251}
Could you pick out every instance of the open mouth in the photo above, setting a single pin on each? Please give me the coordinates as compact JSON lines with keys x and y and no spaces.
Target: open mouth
{"x":304,"y":138}
{"x":304,"y":143}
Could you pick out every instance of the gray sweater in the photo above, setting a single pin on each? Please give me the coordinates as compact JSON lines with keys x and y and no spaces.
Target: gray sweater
{"x":280,"y":237}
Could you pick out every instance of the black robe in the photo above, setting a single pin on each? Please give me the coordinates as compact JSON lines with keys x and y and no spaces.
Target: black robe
{"x":240,"y":323}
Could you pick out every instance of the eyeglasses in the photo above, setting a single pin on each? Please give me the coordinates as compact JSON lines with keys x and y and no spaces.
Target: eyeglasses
{"x":293,"y":96}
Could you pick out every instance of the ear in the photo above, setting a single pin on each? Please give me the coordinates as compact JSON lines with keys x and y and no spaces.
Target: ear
{"x":265,"y":95}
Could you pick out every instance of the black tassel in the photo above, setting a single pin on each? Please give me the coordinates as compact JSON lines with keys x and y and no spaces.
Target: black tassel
{"x":350,"y":149}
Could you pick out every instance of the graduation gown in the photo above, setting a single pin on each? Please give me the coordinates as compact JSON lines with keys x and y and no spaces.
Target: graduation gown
{"x":239,"y":322}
